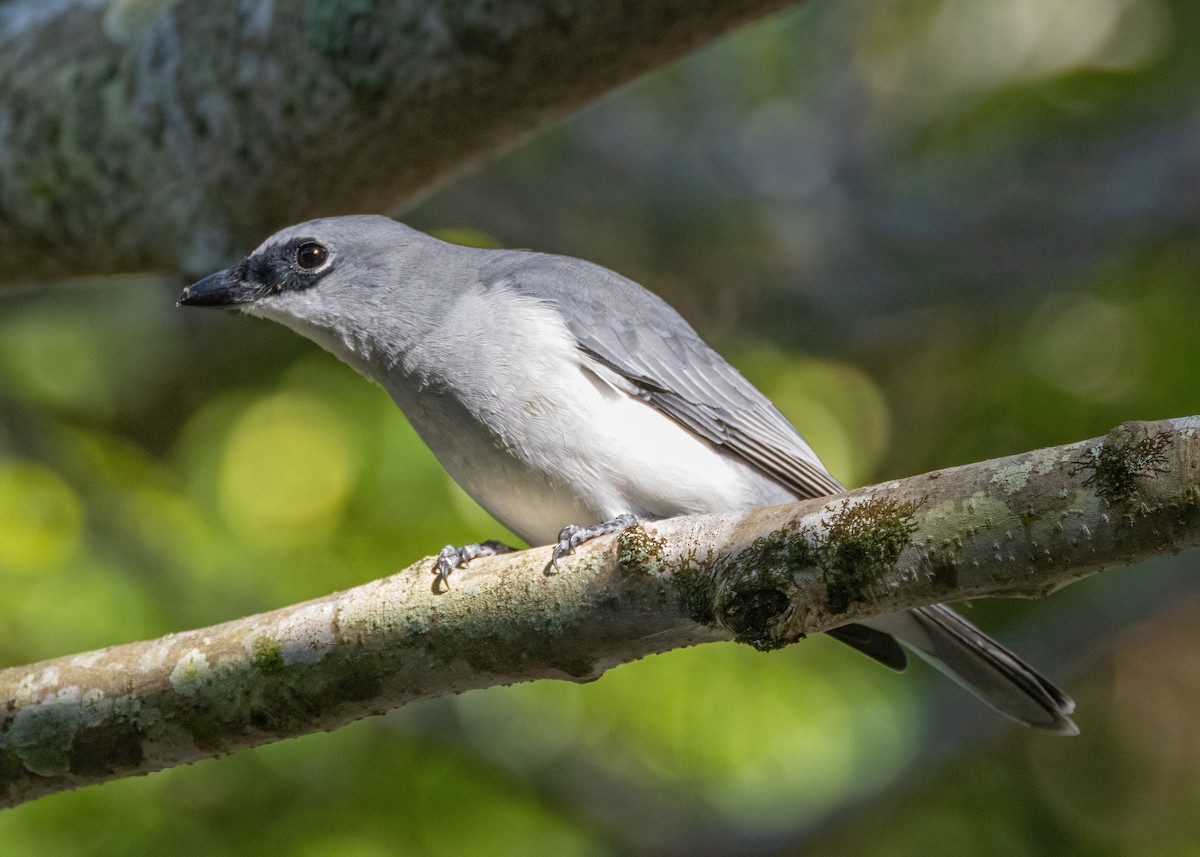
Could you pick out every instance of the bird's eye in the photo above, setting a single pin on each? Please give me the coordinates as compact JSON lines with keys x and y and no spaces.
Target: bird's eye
{"x":310,"y":255}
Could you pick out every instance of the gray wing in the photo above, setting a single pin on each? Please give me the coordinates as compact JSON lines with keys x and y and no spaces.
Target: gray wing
{"x":665,"y":363}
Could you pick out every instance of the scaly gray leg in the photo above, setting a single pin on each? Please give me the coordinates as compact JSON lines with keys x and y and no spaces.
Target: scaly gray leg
{"x":574,"y":535}
{"x":450,"y":557}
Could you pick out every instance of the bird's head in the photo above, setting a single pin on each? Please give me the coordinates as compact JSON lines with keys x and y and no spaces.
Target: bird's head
{"x":362,"y":286}
{"x":334,"y":258}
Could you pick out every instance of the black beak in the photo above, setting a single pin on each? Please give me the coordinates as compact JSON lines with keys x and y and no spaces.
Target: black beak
{"x":224,"y":288}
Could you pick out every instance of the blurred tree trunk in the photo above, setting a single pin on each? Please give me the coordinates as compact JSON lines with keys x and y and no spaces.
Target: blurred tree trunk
{"x":175,"y":134}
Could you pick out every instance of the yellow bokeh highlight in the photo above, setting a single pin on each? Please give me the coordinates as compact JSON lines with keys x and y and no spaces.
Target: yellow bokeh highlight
{"x":41,"y":518}
{"x":466,"y":236}
{"x":835,"y":406}
{"x":285,"y":472}
{"x":58,"y":362}
{"x":920,"y":56}
{"x":1086,"y":346}
{"x":766,"y":739}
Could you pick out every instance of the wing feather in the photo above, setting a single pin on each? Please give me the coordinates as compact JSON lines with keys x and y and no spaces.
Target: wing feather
{"x":658,"y":358}
{"x":666,"y":364}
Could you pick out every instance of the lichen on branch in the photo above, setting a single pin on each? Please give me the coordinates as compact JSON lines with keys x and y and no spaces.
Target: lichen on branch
{"x":1019,"y":526}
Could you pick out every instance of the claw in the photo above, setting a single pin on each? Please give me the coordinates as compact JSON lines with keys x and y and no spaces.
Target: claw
{"x":572,"y":536}
{"x":450,"y":558}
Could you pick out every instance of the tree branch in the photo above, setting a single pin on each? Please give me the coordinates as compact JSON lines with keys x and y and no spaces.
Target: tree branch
{"x":175,"y":134}
{"x":1018,"y":526}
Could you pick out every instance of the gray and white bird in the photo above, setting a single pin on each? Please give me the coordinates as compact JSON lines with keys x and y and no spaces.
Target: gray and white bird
{"x":569,"y":402}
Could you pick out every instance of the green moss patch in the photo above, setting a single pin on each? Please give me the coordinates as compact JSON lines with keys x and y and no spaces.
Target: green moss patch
{"x":1129,"y":454}
{"x":862,"y":541}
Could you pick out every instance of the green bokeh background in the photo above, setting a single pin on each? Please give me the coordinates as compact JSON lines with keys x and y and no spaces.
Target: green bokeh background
{"x":933,"y":231}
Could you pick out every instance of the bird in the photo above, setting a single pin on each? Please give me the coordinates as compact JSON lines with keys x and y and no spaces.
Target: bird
{"x":570,"y":402}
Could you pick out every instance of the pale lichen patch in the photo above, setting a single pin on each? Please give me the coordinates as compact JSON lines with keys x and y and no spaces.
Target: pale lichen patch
{"x":1013,"y":477}
{"x":365,"y":611}
{"x":156,"y":654}
{"x":1045,"y":460}
{"x":191,"y":672}
{"x":87,"y":660}
{"x":41,"y":735}
{"x":30,"y":687}
{"x":1085,"y":500}
{"x":308,"y":635}
{"x":947,"y":521}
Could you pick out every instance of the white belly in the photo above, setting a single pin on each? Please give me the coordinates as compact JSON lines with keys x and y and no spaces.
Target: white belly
{"x":536,"y":435}
{"x":589,"y":459}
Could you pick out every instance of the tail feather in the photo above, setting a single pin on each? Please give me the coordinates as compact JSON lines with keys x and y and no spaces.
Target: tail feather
{"x":981,"y":665}
{"x":877,"y":645}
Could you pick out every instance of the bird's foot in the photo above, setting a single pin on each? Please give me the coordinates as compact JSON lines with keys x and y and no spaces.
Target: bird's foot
{"x":574,"y":535}
{"x":450,"y":558}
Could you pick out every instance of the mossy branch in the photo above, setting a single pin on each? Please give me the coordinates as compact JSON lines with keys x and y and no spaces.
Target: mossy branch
{"x":168,"y":135}
{"x":1018,"y":526}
